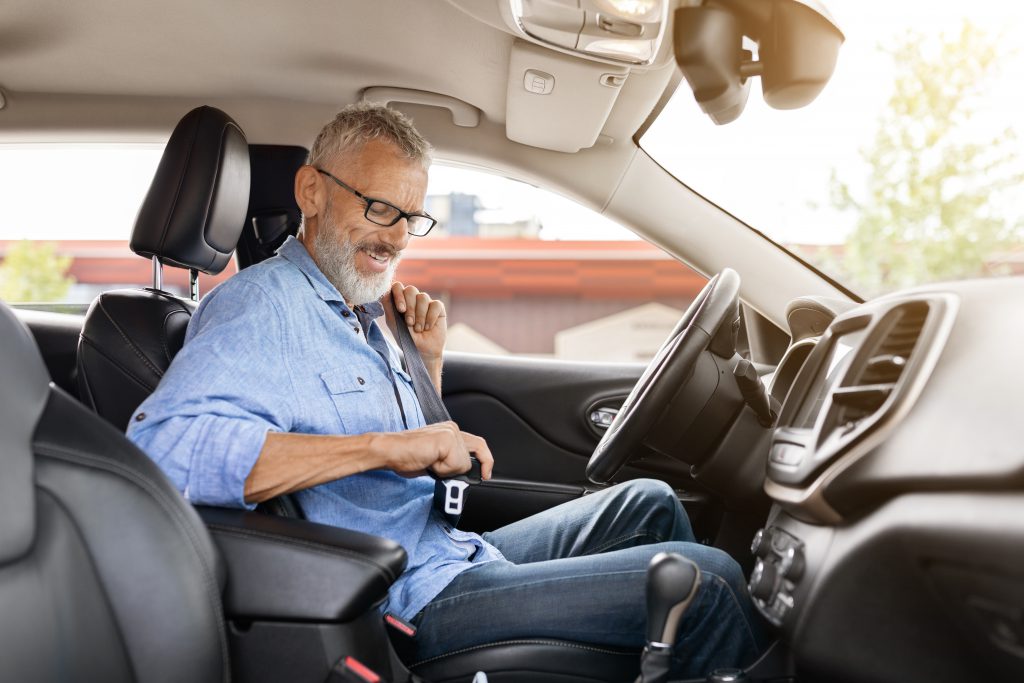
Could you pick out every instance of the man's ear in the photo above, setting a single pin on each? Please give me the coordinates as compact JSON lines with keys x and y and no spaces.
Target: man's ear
{"x":309,"y":191}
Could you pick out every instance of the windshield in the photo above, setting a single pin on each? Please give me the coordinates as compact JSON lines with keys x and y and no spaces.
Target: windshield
{"x":907,"y":169}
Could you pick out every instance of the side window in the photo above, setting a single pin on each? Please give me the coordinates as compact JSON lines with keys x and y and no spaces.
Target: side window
{"x":525,"y":271}
{"x":68,"y":213}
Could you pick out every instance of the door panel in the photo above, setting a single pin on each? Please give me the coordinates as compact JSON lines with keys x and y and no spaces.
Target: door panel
{"x":56,"y":334}
{"x":533,"y":415}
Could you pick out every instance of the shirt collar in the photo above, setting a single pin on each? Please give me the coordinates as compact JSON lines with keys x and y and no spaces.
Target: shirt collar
{"x":295,"y":252}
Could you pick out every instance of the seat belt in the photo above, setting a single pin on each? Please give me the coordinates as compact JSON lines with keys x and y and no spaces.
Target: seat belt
{"x":449,"y":494}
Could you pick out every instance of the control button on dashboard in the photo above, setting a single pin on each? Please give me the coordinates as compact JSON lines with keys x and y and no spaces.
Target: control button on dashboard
{"x":786,"y":454}
{"x":763,"y":581}
{"x":793,"y":563}
{"x":761,"y":546}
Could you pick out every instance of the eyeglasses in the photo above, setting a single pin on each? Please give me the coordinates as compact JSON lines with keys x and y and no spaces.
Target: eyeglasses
{"x":386,"y":214}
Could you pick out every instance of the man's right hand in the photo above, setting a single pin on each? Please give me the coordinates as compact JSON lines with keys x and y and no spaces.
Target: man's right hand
{"x":440,"y":447}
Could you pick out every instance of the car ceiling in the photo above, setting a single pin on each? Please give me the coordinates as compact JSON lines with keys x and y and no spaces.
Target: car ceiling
{"x":128,"y":69}
{"x":314,"y":52}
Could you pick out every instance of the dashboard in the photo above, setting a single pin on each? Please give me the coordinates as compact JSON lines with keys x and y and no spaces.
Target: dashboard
{"x":895,"y":546}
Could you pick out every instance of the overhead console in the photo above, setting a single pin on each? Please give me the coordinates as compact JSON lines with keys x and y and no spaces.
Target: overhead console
{"x":865,"y":372}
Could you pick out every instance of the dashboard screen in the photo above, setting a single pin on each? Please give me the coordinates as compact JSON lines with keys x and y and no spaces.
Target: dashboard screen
{"x":839,"y":357}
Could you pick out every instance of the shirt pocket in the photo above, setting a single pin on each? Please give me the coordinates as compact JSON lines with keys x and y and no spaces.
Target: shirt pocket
{"x":354,"y":400}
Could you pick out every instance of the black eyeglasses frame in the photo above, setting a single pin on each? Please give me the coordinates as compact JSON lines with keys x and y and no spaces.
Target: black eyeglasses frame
{"x":369,"y":201}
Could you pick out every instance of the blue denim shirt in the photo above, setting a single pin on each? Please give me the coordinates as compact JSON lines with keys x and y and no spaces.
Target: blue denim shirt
{"x":275,"y":348}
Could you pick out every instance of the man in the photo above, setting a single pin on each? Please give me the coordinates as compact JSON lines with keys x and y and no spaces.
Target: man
{"x":287,"y":384}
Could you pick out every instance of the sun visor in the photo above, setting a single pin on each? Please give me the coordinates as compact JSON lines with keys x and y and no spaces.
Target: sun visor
{"x":556,"y":101}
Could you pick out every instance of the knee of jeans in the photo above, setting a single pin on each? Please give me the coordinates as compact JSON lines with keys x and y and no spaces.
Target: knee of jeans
{"x":654,"y":491}
{"x":722,"y":564}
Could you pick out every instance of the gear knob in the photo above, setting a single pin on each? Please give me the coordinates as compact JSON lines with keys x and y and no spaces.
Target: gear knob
{"x":672,"y":581}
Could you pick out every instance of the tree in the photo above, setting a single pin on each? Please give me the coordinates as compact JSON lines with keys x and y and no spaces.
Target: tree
{"x":34,"y":272}
{"x":934,"y":203}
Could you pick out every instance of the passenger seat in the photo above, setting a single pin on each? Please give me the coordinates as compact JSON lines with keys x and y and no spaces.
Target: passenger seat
{"x":191,"y":218}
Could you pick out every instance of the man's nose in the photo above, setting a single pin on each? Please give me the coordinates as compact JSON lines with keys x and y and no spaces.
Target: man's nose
{"x":397,"y":235}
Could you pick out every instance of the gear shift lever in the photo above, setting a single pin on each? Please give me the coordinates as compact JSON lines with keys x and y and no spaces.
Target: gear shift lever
{"x":672,"y":581}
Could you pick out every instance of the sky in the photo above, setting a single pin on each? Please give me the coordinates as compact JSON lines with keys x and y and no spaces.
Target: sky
{"x":770,"y":168}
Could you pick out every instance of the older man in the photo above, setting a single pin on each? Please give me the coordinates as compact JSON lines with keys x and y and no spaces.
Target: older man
{"x":286,"y":384}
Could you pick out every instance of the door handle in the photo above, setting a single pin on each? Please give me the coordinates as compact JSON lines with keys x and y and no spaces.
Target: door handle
{"x":602,"y":418}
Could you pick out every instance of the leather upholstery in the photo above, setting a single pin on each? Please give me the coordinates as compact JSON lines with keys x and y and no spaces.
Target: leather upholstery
{"x":287,"y":570}
{"x":191,"y":217}
{"x":273,"y":213}
{"x":195,"y":207}
{"x":128,"y":340}
{"x":23,"y":394}
{"x":120,"y":581}
{"x":535,"y":661}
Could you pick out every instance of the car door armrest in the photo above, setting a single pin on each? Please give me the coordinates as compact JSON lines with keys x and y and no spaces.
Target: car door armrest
{"x":283,"y":569}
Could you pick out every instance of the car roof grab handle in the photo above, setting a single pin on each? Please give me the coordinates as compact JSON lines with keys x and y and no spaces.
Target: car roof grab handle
{"x":463,"y":114}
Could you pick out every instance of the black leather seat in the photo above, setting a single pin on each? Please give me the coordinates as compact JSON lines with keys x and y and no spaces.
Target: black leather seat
{"x":191,"y":218}
{"x":106,"y":573}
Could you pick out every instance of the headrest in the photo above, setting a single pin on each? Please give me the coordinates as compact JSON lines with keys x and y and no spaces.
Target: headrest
{"x":23,"y":393}
{"x":195,"y":206}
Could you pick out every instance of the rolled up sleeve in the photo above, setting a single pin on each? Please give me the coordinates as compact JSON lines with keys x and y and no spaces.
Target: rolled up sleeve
{"x":206,"y":423}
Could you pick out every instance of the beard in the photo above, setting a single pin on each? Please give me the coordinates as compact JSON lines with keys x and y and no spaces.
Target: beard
{"x":336,"y":258}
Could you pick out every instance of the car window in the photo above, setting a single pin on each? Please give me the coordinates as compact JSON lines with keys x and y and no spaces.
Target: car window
{"x":526,"y":271}
{"x":68,"y":213}
{"x":907,"y":169}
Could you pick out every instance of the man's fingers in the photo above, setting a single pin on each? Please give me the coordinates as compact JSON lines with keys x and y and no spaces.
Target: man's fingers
{"x":479,"y":448}
{"x":397,"y":290}
{"x":434,"y":313}
{"x":409,"y":298}
{"x":422,"y":304}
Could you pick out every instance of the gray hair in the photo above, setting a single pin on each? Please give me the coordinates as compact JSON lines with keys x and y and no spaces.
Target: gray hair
{"x":357,"y":124}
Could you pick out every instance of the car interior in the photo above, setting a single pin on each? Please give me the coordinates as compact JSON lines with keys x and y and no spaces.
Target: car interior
{"x":860,"y":459}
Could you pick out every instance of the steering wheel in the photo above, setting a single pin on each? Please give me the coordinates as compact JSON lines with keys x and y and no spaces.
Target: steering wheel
{"x":671,"y":367}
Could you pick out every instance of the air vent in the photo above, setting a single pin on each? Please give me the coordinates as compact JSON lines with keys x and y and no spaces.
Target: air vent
{"x":871,"y":385}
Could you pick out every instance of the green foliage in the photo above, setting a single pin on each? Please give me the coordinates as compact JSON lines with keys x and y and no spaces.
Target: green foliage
{"x":934,"y":204}
{"x":34,"y":272}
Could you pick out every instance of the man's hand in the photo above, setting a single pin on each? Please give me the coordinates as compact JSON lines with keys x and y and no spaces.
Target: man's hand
{"x":426,"y":318}
{"x":428,"y":326}
{"x":441,"y":447}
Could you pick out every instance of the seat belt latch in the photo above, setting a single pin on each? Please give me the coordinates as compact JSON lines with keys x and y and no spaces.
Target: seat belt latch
{"x":351,"y":670}
{"x":400,"y":625}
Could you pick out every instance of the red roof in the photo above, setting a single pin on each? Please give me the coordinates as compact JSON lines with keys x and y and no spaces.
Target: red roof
{"x":500,"y":268}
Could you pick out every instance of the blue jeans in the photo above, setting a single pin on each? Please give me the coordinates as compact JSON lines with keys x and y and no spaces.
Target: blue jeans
{"x":578,"y":572}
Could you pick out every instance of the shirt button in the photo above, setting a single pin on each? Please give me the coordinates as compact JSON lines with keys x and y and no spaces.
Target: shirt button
{"x":140,"y":417}
{"x":360,"y":380}
{"x":355,"y":328}
{"x":345,"y":314}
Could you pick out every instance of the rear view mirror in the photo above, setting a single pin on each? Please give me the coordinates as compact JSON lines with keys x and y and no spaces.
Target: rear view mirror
{"x":798,"y":43}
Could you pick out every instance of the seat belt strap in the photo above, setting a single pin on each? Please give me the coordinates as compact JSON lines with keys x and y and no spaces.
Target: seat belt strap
{"x":449,"y":494}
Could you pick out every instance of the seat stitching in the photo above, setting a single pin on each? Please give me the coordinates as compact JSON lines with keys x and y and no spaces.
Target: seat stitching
{"x":123,"y":368}
{"x":129,"y":342}
{"x":163,"y":333}
{"x":555,"y":643}
{"x":74,"y":456}
{"x":321,"y":548}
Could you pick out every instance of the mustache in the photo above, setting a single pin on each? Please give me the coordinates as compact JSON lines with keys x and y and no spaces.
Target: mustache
{"x":377,"y":249}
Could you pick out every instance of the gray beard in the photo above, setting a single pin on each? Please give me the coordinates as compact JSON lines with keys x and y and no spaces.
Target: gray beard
{"x":336,"y":258}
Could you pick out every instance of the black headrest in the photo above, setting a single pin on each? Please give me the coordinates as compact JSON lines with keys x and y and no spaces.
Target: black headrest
{"x":195,"y":206}
{"x":24,"y":389}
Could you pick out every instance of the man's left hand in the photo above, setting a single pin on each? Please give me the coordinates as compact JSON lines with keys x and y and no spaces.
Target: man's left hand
{"x":426,"y":318}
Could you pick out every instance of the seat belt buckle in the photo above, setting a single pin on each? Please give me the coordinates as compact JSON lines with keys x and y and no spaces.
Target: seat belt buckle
{"x":399,"y":624}
{"x":450,"y":494}
{"x":351,"y":670}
